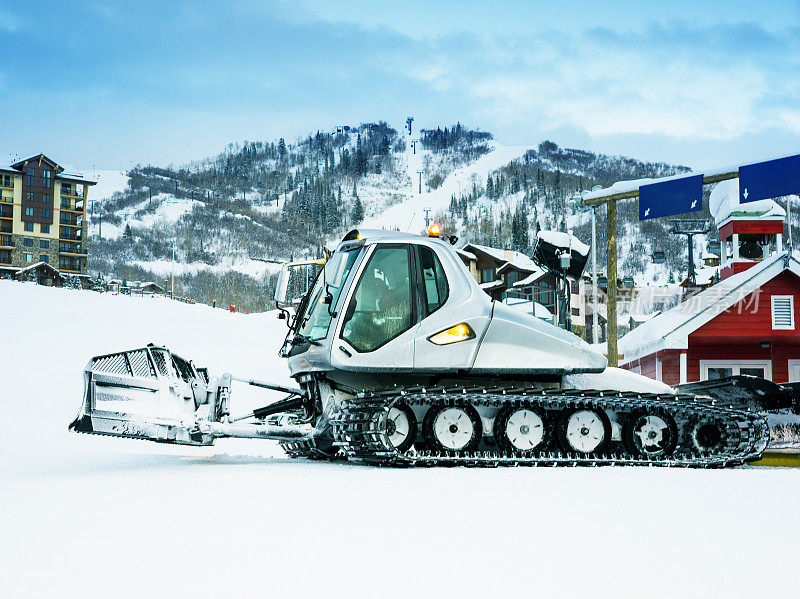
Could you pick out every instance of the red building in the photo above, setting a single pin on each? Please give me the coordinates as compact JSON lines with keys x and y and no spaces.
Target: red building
{"x":744,"y":324}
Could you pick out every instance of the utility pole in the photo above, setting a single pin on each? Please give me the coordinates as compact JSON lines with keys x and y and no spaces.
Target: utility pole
{"x":420,"y":180}
{"x":427,"y":217}
{"x":595,"y":332}
{"x":611,"y":276}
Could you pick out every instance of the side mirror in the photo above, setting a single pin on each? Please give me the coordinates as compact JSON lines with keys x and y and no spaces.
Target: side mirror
{"x":326,"y":299}
{"x":281,"y":315}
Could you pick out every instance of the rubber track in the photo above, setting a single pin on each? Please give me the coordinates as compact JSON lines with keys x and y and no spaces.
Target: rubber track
{"x":359,"y":427}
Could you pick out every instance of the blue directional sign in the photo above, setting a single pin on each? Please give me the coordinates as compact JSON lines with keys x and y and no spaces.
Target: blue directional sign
{"x":770,"y":179}
{"x":675,"y":196}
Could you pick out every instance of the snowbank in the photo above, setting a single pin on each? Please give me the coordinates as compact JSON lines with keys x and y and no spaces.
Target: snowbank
{"x":88,"y":516}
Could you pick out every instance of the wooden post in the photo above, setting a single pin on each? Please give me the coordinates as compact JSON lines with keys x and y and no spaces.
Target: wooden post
{"x":611,"y":276}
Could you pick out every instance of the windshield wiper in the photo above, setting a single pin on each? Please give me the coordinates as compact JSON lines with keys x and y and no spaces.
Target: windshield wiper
{"x":300,"y":339}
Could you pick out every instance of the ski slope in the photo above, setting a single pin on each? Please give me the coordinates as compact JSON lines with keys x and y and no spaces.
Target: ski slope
{"x":88,"y":516}
{"x":409,"y":215}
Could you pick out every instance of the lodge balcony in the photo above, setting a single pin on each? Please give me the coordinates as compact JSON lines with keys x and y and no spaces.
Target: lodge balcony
{"x":71,"y":220}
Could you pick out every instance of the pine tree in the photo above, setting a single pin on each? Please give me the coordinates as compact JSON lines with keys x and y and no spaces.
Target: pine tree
{"x":358,"y":211}
{"x":128,"y":234}
{"x":489,"y":187}
{"x":282,"y":148}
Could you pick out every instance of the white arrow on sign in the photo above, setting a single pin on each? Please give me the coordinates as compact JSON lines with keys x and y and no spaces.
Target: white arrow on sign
{"x":745,"y":193}
{"x":647,"y":212}
{"x":694,"y":203}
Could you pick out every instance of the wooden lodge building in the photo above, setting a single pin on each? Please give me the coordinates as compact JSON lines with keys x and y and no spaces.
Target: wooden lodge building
{"x":42,"y":218}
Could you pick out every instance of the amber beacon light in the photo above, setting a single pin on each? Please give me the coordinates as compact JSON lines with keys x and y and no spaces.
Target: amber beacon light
{"x":434,"y":230}
{"x":459,"y":332}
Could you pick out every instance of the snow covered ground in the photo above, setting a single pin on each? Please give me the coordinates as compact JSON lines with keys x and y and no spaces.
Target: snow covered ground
{"x":99,"y":517}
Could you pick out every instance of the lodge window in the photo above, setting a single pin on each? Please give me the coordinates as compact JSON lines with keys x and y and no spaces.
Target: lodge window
{"x":5,"y":256}
{"x":27,"y":242}
{"x":576,"y":311}
{"x":29,"y":211}
{"x":31,"y":177}
{"x":29,"y":227}
{"x":46,"y":212}
{"x":47,"y":198}
{"x":487,"y":275}
{"x":45,"y":228}
{"x":65,"y":203}
{"x":512,"y":278}
{"x":66,"y":188}
{"x":63,"y":263}
{"x":782,"y":313}
{"x":29,"y":196}
{"x":46,"y":179}
{"x":6,"y":180}
{"x":573,"y":287}
{"x":28,"y":257}
{"x":44,"y":258}
{"x":44,"y":243}
{"x":717,"y":369}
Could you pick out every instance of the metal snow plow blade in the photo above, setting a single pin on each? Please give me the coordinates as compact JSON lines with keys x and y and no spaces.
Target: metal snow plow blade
{"x":141,"y":394}
{"x":151,"y":393}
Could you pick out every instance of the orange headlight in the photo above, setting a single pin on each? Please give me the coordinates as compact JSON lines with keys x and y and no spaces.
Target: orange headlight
{"x":459,"y":332}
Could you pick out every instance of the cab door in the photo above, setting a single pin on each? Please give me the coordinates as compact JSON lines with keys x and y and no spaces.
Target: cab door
{"x":448,"y":297}
{"x":380,"y":316}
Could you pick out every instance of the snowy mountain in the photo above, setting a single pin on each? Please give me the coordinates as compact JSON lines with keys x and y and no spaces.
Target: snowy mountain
{"x":230,"y":217}
{"x":97,"y":516}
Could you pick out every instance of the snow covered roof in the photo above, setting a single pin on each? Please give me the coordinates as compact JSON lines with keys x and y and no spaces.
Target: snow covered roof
{"x":530,"y":279}
{"x":492,"y":285}
{"x":516,"y":259}
{"x":37,"y":265}
{"x":76,"y":177}
{"x":708,"y":256}
{"x":467,"y":255}
{"x":564,"y":240}
{"x":671,"y":329}
{"x":724,"y":204}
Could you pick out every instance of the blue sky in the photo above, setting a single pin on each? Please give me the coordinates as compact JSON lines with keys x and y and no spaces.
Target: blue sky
{"x":112,"y":84}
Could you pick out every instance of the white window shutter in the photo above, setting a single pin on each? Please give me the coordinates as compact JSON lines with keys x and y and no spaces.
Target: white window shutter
{"x":783,"y":312}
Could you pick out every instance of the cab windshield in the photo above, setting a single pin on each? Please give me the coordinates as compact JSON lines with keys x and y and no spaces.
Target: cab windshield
{"x":317,"y":318}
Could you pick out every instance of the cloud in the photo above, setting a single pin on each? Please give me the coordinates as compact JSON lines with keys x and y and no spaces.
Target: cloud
{"x":678,"y":80}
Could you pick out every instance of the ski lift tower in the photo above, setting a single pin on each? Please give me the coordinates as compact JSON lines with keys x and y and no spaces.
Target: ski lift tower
{"x":409,"y":120}
{"x":690,"y":227}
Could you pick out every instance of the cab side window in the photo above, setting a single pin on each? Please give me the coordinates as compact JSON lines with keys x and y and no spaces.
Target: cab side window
{"x":434,"y":282}
{"x":380,"y":308}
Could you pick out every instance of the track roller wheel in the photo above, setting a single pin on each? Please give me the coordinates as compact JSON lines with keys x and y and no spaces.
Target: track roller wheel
{"x":520,"y":430}
{"x":452,"y":429}
{"x":584,"y":431}
{"x":707,"y":436}
{"x":650,"y":434}
{"x":401,"y":427}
